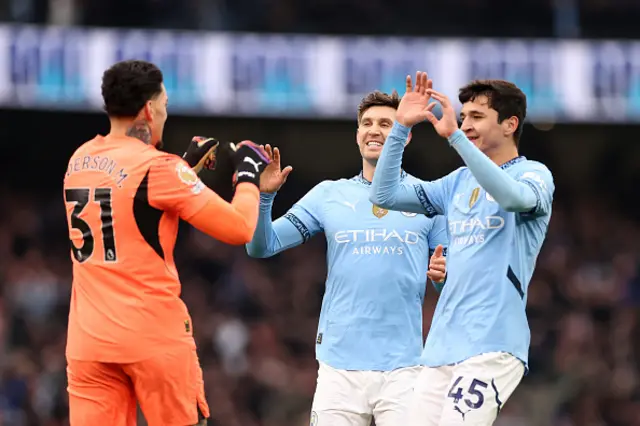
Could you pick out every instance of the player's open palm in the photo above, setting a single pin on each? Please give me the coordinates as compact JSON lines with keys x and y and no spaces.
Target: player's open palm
{"x":413,"y":106}
{"x":448,"y":123}
{"x":273,"y":176}
{"x":437,"y":265}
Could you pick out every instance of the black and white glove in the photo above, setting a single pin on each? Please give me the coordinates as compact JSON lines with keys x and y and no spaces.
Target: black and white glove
{"x":249,"y":160}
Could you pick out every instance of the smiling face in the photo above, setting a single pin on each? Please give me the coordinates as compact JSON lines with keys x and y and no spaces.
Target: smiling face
{"x":373,"y":129}
{"x":492,"y":114}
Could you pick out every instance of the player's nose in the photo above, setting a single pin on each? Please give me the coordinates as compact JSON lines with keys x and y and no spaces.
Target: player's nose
{"x":466,"y":126}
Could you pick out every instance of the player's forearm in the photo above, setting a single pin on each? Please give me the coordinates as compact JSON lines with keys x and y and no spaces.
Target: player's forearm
{"x":386,"y":190}
{"x":510,"y":194}
{"x":232,"y":223}
{"x":271,"y":238}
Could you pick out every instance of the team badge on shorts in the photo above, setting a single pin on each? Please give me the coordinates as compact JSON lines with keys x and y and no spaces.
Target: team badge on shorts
{"x":379,"y":212}
{"x":314,"y":419}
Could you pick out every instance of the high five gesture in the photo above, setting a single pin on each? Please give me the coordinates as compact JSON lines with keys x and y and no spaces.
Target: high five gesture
{"x":413,"y":107}
{"x":446,"y":125}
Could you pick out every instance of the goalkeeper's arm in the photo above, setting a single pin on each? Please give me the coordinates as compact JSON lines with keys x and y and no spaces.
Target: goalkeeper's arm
{"x":235,"y":222}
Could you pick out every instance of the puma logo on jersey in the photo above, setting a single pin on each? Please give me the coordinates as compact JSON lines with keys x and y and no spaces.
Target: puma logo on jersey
{"x":253,"y":163}
{"x":352,"y":206}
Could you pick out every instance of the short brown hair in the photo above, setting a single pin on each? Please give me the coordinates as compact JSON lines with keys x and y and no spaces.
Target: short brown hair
{"x":503,"y":96}
{"x":378,"y":98}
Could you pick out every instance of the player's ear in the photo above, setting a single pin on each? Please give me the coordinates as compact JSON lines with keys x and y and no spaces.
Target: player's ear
{"x":510,"y":125}
{"x":148,"y":111}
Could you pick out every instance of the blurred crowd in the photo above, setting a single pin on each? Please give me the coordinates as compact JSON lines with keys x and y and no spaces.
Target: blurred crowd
{"x":255,"y":321}
{"x":495,"y":18}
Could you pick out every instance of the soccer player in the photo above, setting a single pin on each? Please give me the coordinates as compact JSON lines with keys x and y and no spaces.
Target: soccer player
{"x":130,"y":336}
{"x":498,"y":209}
{"x":369,"y":336}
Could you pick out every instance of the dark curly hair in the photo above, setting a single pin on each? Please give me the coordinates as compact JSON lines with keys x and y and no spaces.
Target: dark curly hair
{"x":128,"y":85}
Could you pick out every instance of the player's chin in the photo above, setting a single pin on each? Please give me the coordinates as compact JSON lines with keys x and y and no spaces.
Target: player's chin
{"x":372,"y":152}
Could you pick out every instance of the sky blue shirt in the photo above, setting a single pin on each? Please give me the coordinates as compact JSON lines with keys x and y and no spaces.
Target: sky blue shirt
{"x":497,"y":219}
{"x":371,"y":316}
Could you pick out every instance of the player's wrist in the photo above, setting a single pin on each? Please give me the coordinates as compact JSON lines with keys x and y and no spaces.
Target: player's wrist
{"x":267,"y":197}
{"x":402,"y":127}
{"x":400,"y":131}
{"x":250,"y":162}
{"x":456,"y":137}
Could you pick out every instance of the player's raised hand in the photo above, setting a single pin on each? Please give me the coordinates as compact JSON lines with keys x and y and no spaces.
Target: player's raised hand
{"x":413,"y":106}
{"x":250,"y":161}
{"x":437,"y":265}
{"x":273,"y":176}
{"x":448,"y":124}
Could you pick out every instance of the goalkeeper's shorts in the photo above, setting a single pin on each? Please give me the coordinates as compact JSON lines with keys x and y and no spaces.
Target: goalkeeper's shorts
{"x":169,"y":388}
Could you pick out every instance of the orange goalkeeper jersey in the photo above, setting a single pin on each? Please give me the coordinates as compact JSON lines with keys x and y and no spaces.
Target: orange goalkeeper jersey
{"x":124,"y":199}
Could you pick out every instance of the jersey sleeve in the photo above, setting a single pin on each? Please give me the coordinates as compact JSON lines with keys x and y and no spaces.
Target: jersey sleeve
{"x":174,"y":186}
{"x":438,"y":234}
{"x":270,"y":238}
{"x":539,"y":178}
{"x":306,"y":215}
{"x":387,"y":190}
{"x":433,"y":196}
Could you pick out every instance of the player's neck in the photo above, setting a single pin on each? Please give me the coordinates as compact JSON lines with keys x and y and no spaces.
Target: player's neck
{"x":503,"y":155}
{"x":368,"y":170}
{"x":138,"y":129}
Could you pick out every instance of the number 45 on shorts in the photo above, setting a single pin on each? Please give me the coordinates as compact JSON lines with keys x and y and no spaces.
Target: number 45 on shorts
{"x":469,"y":393}
{"x":478,"y":390}
{"x":474,"y":391}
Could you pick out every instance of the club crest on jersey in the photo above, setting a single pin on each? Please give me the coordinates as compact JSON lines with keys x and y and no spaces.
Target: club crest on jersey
{"x":379,"y":212}
{"x":314,"y":419}
{"x":475,"y":194}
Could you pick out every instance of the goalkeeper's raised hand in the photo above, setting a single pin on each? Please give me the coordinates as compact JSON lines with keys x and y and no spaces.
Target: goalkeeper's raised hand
{"x":202,"y":153}
{"x":250,"y":160}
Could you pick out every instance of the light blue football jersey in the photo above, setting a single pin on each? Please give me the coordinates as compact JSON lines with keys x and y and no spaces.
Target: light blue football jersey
{"x":371,"y":316}
{"x":492,"y":255}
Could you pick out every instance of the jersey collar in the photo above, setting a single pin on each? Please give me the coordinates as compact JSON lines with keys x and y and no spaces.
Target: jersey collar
{"x":513,"y":161}
{"x":360,"y":177}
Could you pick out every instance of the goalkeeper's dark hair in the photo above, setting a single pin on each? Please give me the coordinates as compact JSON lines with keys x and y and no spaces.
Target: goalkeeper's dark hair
{"x":378,"y":98}
{"x":128,"y":85}
{"x":503,"y":96}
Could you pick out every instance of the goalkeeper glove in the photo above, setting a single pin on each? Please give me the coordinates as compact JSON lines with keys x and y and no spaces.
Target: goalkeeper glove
{"x":201,"y":153}
{"x":249,"y":160}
